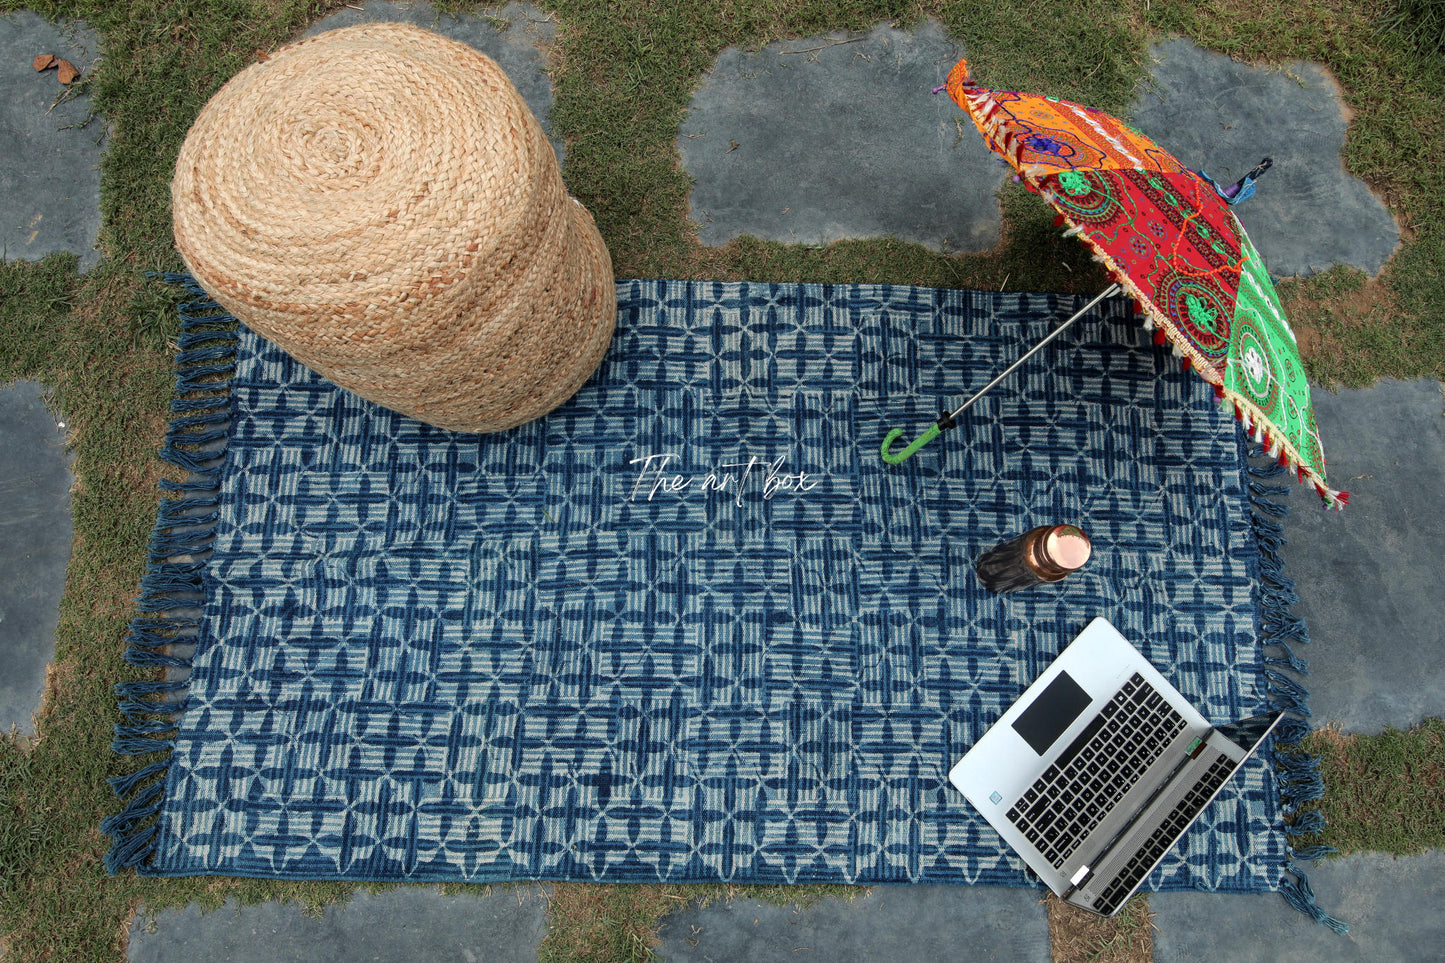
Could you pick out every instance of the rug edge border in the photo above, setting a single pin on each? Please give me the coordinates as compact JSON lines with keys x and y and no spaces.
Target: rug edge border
{"x":162,"y":636}
{"x":1297,"y":772}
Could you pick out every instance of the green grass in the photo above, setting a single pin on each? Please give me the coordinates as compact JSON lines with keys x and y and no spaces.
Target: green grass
{"x":598,"y":924}
{"x":625,"y":70}
{"x":1385,"y":791}
{"x":1419,"y":23}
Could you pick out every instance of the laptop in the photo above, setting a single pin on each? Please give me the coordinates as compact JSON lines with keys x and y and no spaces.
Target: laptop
{"x":1099,"y":768}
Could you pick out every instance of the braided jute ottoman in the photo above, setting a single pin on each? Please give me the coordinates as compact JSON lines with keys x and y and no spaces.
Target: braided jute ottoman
{"x":380,"y":202}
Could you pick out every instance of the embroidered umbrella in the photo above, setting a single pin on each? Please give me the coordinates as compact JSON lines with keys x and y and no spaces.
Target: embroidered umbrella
{"x":1168,"y":238}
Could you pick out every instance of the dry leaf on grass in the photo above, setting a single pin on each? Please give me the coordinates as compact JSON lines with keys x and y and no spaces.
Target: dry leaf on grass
{"x":44,"y":61}
{"x":68,"y":73}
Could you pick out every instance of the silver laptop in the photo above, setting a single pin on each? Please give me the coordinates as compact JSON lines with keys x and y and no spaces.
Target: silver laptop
{"x":1099,"y":768}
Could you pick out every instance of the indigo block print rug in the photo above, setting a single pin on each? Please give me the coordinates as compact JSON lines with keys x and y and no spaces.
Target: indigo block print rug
{"x":689,"y":626}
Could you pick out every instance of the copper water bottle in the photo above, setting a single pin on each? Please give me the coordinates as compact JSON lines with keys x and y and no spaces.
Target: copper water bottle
{"x":1040,"y":555}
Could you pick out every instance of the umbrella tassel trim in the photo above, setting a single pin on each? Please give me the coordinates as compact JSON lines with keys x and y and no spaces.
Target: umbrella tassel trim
{"x":1279,"y":448}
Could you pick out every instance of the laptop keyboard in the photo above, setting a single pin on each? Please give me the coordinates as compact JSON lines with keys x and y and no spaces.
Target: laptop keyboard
{"x":1162,"y":838}
{"x":1065,"y":804}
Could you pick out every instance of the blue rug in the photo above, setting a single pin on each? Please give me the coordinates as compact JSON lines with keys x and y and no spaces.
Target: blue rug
{"x":689,"y":626}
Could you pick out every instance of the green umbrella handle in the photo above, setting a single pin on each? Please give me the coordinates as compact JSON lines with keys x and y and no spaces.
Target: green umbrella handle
{"x":947,"y":419}
{"x":934,"y":430}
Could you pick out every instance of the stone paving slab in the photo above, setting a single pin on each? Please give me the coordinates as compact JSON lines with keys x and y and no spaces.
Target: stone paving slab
{"x":1223,"y":117}
{"x":35,"y":533}
{"x":408,"y":923}
{"x":49,"y":154}
{"x":1370,"y":578}
{"x":888,"y":923}
{"x":1392,"y":906}
{"x":839,"y":136}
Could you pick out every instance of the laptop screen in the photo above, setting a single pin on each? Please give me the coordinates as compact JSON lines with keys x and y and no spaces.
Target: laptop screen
{"x":1051,"y":713}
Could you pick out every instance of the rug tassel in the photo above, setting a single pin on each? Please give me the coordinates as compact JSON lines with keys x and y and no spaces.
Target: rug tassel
{"x":1305,"y":790}
{"x":1257,"y":489}
{"x":1290,"y":627}
{"x":157,"y":624}
{"x":193,"y":484}
{"x":137,"y":688}
{"x":1291,"y":698}
{"x":1300,"y":780}
{"x":203,"y":377}
{"x":203,"y":402}
{"x":145,"y":802}
{"x":166,"y":581}
{"x":1283,"y":589}
{"x":141,"y":730}
{"x":165,"y":546}
{"x":1289,"y":660}
{"x":1267,"y":471}
{"x":173,"y":577}
{"x":197,"y":437}
{"x":141,"y":657}
{"x":152,"y":647}
{"x":126,"y":785}
{"x":207,"y":419}
{"x":208,"y":481}
{"x":212,"y":352}
{"x":1286,"y":704}
{"x":1284,"y":685}
{"x":186,"y":511}
{"x":1269,"y":536}
{"x":1307,"y":823}
{"x":135,"y":708}
{"x":159,"y":638}
{"x":163,"y":603}
{"x":1291,"y":731}
{"x":1273,"y":509}
{"x":131,"y":850}
{"x":138,"y":747}
{"x":1299,"y":895}
{"x":197,"y":336}
{"x":189,"y":460}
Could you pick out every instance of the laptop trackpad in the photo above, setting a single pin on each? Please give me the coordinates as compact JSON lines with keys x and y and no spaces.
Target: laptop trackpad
{"x":1051,"y":713}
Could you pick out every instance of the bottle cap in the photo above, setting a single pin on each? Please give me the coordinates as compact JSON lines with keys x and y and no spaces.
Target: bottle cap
{"x":1067,"y":547}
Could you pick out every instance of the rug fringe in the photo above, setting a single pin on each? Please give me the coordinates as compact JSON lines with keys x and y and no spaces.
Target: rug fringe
{"x":175,"y":579}
{"x":1297,"y":772}
{"x":1298,"y":893}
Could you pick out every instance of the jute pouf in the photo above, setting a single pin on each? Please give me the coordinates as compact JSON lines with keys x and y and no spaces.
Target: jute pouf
{"x":380,"y":202}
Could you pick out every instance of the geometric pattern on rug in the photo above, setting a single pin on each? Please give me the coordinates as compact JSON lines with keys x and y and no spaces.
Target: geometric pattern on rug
{"x":689,"y":626}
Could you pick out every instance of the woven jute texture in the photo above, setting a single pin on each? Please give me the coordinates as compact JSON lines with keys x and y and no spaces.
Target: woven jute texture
{"x":380,"y":202}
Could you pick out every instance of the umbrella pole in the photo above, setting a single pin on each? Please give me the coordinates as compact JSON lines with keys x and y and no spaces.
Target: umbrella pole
{"x":1108,"y":292}
{"x":949,"y":418}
